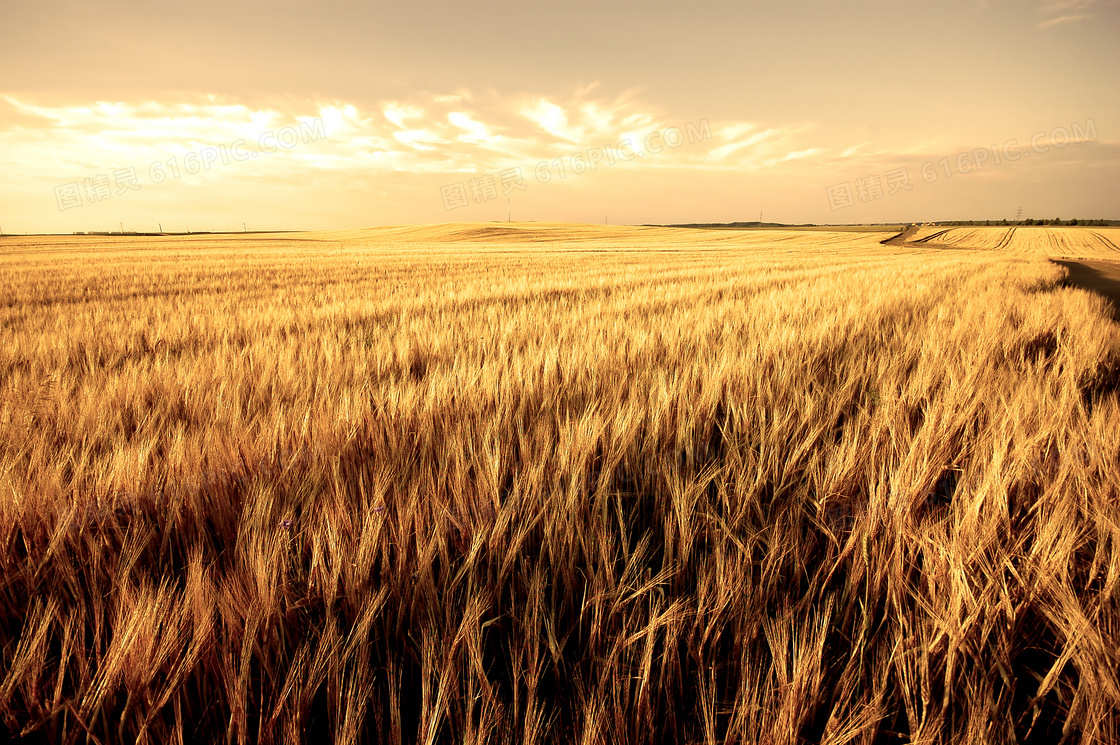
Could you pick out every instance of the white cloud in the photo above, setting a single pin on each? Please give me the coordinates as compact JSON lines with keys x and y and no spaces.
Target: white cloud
{"x":473,"y":131}
{"x":1060,"y":20}
{"x":398,"y":114}
{"x":425,"y":134}
{"x":1062,"y":12}
{"x":551,"y":118}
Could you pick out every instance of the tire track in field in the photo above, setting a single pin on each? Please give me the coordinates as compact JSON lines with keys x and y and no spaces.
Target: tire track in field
{"x":1106,"y":241}
{"x":901,"y":238}
{"x":1003,"y":243}
{"x":931,"y":236}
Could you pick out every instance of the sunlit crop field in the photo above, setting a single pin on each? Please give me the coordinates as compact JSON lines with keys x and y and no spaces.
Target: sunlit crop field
{"x":552,"y":483}
{"x":1057,"y":242}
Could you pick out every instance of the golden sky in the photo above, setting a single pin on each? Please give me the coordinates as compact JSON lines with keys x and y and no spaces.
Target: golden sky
{"x":283,"y":115}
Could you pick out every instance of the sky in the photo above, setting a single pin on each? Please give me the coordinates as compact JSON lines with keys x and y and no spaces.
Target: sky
{"x":282,"y":115}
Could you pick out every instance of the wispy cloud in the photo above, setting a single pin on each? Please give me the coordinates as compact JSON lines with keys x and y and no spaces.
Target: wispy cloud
{"x":1063,"y":12}
{"x":428,"y":134}
{"x":1060,"y":20}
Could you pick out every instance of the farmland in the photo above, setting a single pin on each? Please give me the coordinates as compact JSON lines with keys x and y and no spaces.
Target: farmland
{"x":559,"y":483}
{"x":1057,"y":242}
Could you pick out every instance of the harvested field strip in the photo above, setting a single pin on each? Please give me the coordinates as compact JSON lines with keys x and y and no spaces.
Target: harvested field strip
{"x":1058,"y":242}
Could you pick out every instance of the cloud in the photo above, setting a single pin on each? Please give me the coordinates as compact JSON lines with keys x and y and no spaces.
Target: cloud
{"x":428,"y":133}
{"x":473,"y":131}
{"x":722,"y":152}
{"x":398,"y":114}
{"x":796,"y":155}
{"x":550,"y":118}
{"x":1062,"y":6}
{"x":1060,"y":20}
{"x":1062,"y":12}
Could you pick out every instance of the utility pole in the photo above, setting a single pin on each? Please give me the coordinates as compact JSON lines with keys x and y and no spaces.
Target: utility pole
{"x":245,"y":226}
{"x":160,"y":228}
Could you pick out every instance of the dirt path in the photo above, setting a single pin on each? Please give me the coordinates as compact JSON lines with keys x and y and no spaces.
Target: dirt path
{"x":901,"y":238}
{"x":1102,"y":277}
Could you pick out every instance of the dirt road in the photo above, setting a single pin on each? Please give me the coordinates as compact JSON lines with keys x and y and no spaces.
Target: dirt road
{"x":1102,"y":277}
{"x":901,"y":238}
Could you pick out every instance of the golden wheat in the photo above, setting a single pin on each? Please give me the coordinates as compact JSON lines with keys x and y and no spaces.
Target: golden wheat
{"x":522,"y":483}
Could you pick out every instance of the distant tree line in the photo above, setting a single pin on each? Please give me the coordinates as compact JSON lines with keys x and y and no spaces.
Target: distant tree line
{"x":1031,"y":221}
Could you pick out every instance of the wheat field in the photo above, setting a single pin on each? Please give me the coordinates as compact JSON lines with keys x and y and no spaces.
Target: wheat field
{"x":553,"y":483}
{"x":1055,"y":242}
